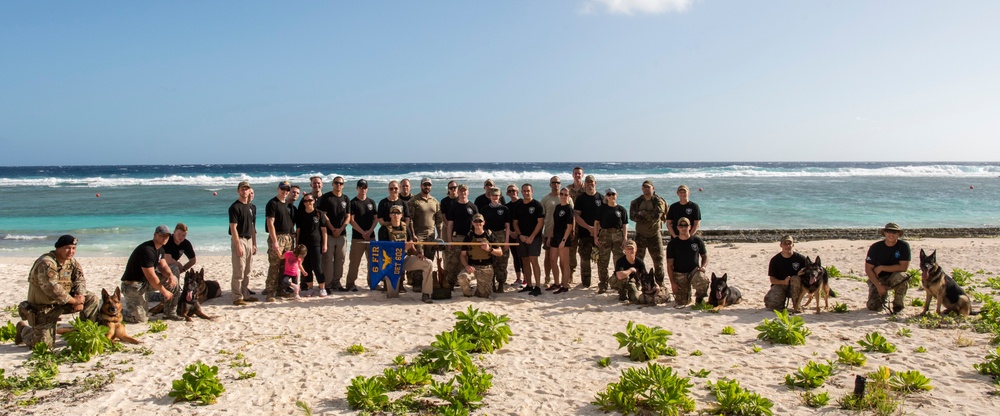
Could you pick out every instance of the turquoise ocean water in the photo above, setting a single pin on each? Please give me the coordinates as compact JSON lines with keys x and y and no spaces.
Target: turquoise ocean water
{"x":37,"y":204}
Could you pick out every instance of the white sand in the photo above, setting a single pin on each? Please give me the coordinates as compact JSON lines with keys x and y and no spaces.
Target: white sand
{"x":298,"y":348}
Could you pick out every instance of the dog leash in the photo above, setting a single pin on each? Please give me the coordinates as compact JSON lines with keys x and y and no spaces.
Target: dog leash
{"x":885,"y":299}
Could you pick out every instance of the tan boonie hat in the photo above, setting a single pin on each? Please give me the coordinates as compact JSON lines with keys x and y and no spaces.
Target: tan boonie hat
{"x":892,"y":227}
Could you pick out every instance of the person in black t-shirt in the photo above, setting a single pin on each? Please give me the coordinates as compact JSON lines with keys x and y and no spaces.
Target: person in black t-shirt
{"x":783,"y":271}
{"x":628,"y":267}
{"x":390,"y":201}
{"x":310,"y":231}
{"x":612,"y":233}
{"x":484,"y":199}
{"x":279,"y":224}
{"x":886,"y":266}
{"x":336,"y":205}
{"x":362,"y":231}
{"x":511,"y":238}
{"x":177,"y":246}
{"x":146,"y":271}
{"x":459,"y":220}
{"x":529,"y":219}
{"x":586,"y":206}
{"x":683,"y":265}
{"x":560,"y":241}
{"x":243,"y":231}
{"x":683,"y":208}
{"x":498,"y":218}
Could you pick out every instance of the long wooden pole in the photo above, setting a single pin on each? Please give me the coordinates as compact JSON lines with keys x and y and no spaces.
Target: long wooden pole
{"x":442,"y":243}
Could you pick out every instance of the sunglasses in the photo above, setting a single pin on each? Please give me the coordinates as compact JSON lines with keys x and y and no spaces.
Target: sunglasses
{"x":683,"y":226}
{"x":308,"y":200}
{"x":563,"y":194}
{"x":452,"y":187}
{"x":555,"y":183}
{"x":477,"y":221}
{"x":610,"y":194}
{"x":339,"y":183}
{"x":393,"y":189}
{"x":511,"y":191}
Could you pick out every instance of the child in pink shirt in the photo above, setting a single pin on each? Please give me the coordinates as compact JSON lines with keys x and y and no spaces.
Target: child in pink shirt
{"x":293,"y":270}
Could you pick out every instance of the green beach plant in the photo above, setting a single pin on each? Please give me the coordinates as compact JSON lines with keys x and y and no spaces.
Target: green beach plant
{"x":604,"y":362}
{"x":654,"y":389}
{"x":728,"y":330}
{"x":783,"y":329}
{"x":811,"y":376}
{"x":815,"y":400}
{"x":368,"y":394}
{"x":840,"y":307}
{"x":8,"y":332}
{"x":847,"y":355}
{"x":485,"y":330}
{"x":449,"y":351}
{"x":876,"y":342}
{"x":909,"y":381}
{"x":990,"y":367}
{"x":914,"y":278}
{"x":356,"y":349}
{"x":199,"y":383}
{"x":87,"y":339}
{"x":735,"y":400}
{"x":700,"y":373}
{"x":642,"y":342}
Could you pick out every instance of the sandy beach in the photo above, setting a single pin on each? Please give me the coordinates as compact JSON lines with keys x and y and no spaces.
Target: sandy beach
{"x":298,"y":349}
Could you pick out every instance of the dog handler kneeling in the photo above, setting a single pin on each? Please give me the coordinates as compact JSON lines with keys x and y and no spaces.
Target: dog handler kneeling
{"x":783,"y":271}
{"x":56,"y":286}
{"x":886,"y":266}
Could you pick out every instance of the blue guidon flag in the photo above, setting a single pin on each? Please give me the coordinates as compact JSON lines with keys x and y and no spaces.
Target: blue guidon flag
{"x":386,"y":262}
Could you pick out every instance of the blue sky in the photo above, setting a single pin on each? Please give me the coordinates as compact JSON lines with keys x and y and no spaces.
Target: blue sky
{"x":439,"y":81}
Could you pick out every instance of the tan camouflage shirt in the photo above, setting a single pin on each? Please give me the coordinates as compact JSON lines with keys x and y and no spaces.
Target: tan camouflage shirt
{"x":50,"y":283}
{"x":648,"y":215}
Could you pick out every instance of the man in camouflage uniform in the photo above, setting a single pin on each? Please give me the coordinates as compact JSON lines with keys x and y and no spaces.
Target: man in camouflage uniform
{"x":56,"y":286}
{"x":145,"y":270}
{"x":477,"y":260}
{"x":280,"y":226}
{"x":426,"y":220}
{"x":649,"y":211}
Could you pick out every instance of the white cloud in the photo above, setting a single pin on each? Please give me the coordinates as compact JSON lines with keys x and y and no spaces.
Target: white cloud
{"x":631,"y":7}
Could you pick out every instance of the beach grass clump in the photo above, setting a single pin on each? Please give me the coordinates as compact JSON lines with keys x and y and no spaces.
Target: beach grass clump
{"x":654,"y":389}
{"x":700,"y":373}
{"x":405,"y":377}
{"x":604,"y":362}
{"x":696,"y":353}
{"x":839,"y":307}
{"x":962,"y":277}
{"x":904,"y":332}
{"x":811,"y":376}
{"x":728,"y":330}
{"x":485,"y":330}
{"x":87,"y":340}
{"x":815,"y":400}
{"x":157,"y":326}
{"x":736,"y":400}
{"x":199,"y":383}
{"x":990,"y":367}
{"x":642,"y":342}
{"x":8,"y":332}
{"x":874,"y":341}
{"x":783,"y":329}
{"x":916,"y":302}
{"x":368,"y":394}
{"x":356,"y":349}
{"x":847,"y":355}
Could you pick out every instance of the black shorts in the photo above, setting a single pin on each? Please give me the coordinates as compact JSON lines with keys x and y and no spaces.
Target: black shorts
{"x":286,"y":284}
{"x":554,"y":242}
{"x":530,"y":250}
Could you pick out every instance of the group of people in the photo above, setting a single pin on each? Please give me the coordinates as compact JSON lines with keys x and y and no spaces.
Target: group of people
{"x":572,"y":225}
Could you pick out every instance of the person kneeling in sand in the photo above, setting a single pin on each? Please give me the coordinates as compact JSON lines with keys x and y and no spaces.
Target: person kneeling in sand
{"x":683,"y":266}
{"x":783,"y":271}
{"x":477,"y":260}
{"x":141,"y":277}
{"x":886,"y":266}
{"x":633,"y":281}
{"x":396,"y":230}
{"x":56,"y":286}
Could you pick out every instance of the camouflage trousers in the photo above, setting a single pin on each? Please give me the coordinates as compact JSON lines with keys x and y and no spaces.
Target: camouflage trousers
{"x":42,"y":320}
{"x":273,"y":258}
{"x":776,"y":298}
{"x":134,"y":306}
{"x":484,"y":281}
{"x":452,"y":263}
{"x":585,"y":246}
{"x":500,"y":262}
{"x":685,"y":282}
{"x":897,"y":283}
{"x":611,"y":247}
{"x":654,"y":245}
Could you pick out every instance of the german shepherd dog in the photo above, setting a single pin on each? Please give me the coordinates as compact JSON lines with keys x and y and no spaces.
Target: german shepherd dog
{"x":815,"y":282}
{"x":942,"y":287}
{"x":194,"y":290}
{"x":721,"y":294}
{"x":111,"y":317}
{"x":209,"y":289}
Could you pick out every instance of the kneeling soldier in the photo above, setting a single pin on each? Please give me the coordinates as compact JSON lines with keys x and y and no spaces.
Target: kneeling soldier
{"x":396,"y":230}
{"x":477,"y":260}
{"x":56,"y":286}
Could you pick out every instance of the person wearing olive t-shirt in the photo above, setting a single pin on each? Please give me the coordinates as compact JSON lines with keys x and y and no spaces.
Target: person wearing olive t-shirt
{"x":886,"y":266}
{"x":147,"y":271}
{"x":783,"y":271}
{"x":395,"y":230}
{"x":683,"y":266}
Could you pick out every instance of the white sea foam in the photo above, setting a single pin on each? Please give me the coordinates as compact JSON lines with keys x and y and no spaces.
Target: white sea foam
{"x":23,"y":237}
{"x":223,"y":182}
